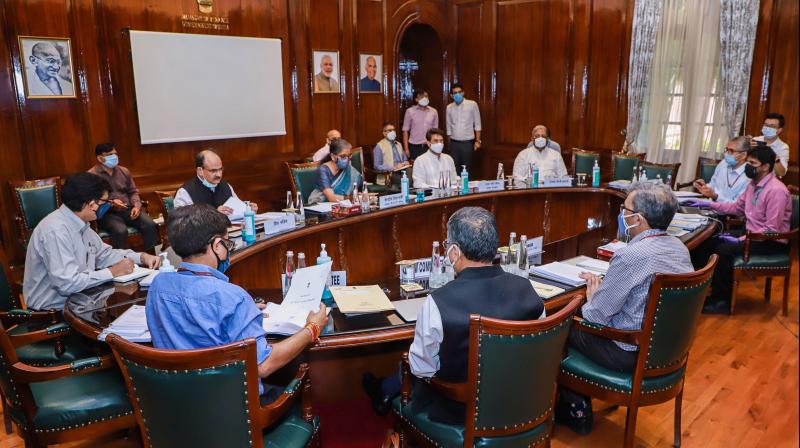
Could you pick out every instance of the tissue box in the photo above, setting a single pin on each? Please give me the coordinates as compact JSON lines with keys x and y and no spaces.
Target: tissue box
{"x":340,"y":211}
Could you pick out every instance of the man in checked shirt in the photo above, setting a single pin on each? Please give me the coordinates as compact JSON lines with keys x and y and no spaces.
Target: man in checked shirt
{"x":619,"y":299}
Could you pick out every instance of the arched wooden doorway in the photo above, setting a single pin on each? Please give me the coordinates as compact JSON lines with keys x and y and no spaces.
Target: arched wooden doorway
{"x":421,"y":66}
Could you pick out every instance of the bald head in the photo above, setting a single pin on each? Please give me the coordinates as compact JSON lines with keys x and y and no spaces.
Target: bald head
{"x":209,"y":166}
{"x":539,"y":130}
{"x":332,"y":135}
{"x":372,"y":67}
{"x":46,"y":60}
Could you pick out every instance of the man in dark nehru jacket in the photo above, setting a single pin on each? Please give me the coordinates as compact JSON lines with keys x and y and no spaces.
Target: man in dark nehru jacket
{"x":207,"y":187}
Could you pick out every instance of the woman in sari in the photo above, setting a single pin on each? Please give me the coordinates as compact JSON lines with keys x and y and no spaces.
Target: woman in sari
{"x":335,"y":175}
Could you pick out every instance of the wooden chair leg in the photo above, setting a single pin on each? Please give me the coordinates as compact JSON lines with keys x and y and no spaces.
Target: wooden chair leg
{"x":630,"y":426}
{"x":6,"y":416}
{"x":786,"y":280}
{"x":733,"y":294}
{"x":768,"y":289}
{"x":678,"y":403}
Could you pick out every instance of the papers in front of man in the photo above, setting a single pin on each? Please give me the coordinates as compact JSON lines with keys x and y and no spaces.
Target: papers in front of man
{"x":687,"y":194}
{"x":303,"y":297}
{"x":409,"y":309}
{"x":238,"y":208}
{"x":138,"y":272}
{"x":321,"y":207}
{"x":353,"y":300}
{"x":131,"y":325}
{"x":560,"y":272}
{"x":688,"y":221}
{"x":594,"y":265}
{"x":546,"y":291}
{"x":621,"y":184}
{"x":608,"y":250}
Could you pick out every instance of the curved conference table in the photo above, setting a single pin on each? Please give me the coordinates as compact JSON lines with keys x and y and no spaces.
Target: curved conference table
{"x":573,"y":221}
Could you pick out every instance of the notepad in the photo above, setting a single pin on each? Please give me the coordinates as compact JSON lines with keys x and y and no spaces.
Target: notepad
{"x":138,"y":272}
{"x":361,"y":299}
{"x":130,"y":325}
{"x":594,"y":265}
{"x":560,"y":272}
{"x":687,"y":194}
{"x":546,"y":291}
{"x":409,"y":309}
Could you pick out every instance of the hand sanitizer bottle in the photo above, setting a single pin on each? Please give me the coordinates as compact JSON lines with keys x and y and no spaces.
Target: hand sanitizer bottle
{"x":464,"y":180}
{"x":522,"y":256}
{"x":166,"y":266}
{"x":643,"y":177}
{"x":435,"y":280}
{"x":596,"y":175}
{"x":327,"y":297}
{"x":301,"y":211}
{"x":249,"y":224}
{"x":534,"y":176}
{"x":404,"y":187}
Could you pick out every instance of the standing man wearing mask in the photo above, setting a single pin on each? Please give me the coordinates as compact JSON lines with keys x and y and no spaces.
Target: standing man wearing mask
{"x":207,"y":187}
{"x":773,"y":127}
{"x":767,"y":206}
{"x":463,"y":127}
{"x":126,"y":206}
{"x":429,"y":167}
{"x":728,"y":181}
{"x":416,"y":122}
{"x":549,"y":161}
{"x":388,"y":156}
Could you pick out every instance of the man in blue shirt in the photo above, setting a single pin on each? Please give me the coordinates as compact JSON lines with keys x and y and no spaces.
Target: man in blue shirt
{"x":728,"y":181}
{"x":197,"y":307}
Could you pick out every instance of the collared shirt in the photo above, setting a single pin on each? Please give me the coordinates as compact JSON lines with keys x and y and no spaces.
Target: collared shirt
{"x":549,"y":161}
{"x":66,"y":256}
{"x":767,"y":206}
{"x":398,"y":156}
{"x":620,"y":299}
{"x":183,"y":198}
{"x":37,"y":88}
{"x":369,"y":85}
{"x":780,"y":148}
{"x":199,"y":308}
{"x":728,"y":182}
{"x":463,"y":120}
{"x":321,"y":153}
{"x":324,"y":83}
{"x":428,"y":167}
{"x":417,"y":121}
{"x":122,"y":185}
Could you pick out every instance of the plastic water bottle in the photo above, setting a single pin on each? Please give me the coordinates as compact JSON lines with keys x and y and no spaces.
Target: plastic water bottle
{"x":289,"y":201}
{"x":301,"y":215}
{"x":512,"y":256}
{"x":534,"y":176}
{"x":327,"y":297}
{"x":435,"y":280}
{"x":364,"y":198}
{"x":249,"y":227}
{"x":522,"y":256}
{"x":404,"y":187}
{"x":464,"y":180}
{"x":669,"y":181}
{"x":596,"y":174}
{"x":301,"y":260}
{"x":166,"y":266}
{"x":501,"y":174}
{"x":288,"y":272}
{"x":658,"y":179}
{"x":643,"y":177}
{"x":354,"y":199}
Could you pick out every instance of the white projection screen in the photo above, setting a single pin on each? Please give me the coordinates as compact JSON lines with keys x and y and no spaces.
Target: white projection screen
{"x":201,"y":87}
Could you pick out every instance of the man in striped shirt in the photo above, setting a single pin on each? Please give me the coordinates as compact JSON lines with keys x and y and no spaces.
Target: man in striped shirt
{"x":619,"y":299}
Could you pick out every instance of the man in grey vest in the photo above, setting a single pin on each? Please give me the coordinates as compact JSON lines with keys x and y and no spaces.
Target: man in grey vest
{"x":441,"y":337}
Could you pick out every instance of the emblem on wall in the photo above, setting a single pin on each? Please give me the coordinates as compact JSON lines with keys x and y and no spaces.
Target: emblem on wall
{"x":206,"y":6}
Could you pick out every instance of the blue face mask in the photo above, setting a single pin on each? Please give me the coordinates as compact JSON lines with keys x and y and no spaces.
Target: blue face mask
{"x":102,"y":210}
{"x":622,"y":226}
{"x":206,"y":183}
{"x":458,"y":97}
{"x":769,"y":132}
{"x":342,"y":163}
{"x":110,"y":161}
{"x":223,"y":265}
{"x":730,"y":160}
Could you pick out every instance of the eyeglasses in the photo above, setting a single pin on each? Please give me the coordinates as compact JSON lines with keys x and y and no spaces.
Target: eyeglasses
{"x":49,"y":60}
{"x":732,"y":151}
{"x":229,"y":245}
{"x":215,"y":170}
{"x":102,"y":201}
{"x":344,"y":157}
{"x":622,"y":208}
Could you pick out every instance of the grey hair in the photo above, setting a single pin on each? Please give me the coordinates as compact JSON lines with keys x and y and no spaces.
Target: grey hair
{"x":655,"y":202}
{"x":474,"y":230}
{"x":742,"y":143}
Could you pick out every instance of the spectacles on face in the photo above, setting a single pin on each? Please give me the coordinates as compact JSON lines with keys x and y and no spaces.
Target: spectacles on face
{"x":343,"y":157}
{"x":228,"y":244}
{"x":623,"y":209}
{"x":215,"y":171}
{"x":773,"y":126}
{"x":732,"y":151}
{"x":50,"y":60}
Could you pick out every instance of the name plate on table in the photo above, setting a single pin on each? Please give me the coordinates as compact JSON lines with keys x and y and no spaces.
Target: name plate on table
{"x":486,"y":186}
{"x":550,"y":182}
{"x":339,"y":278}
{"x":275,"y":225}
{"x":391,"y":200}
{"x":534,"y":247}
{"x":416,"y":269}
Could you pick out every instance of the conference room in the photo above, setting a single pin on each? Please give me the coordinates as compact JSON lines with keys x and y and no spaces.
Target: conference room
{"x":399,"y":223}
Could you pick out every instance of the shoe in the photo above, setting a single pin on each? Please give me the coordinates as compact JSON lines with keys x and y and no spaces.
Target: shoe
{"x":372,"y":386}
{"x":577,"y":416}
{"x":718,"y":307}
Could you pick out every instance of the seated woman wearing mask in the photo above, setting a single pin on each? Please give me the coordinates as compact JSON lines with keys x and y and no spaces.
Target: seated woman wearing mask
{"x":335,"y":176}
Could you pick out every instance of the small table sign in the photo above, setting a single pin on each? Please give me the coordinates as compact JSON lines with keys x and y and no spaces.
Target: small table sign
{"x":391,"y":200}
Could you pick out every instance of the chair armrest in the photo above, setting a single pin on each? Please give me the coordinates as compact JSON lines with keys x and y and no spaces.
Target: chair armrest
{"x":25,"y":373}
{"x":452,"y":391}
{"x":405,"y":371}
{"x":16,"y":316}
{"x":766,"y":236}
{"x":275,"y":411}
{"x":684,"y":185}
{"x":627,"y":336}
{"x":54,"y":331}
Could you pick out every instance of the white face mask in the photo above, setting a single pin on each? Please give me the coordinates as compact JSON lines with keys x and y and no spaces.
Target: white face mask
{"x":540,"y":142}
{"x":628,"y":227}
{"x":437,"y":147}
{"x":424,"y":102}
{"x":447,"y":261}
{"x":391,"y":136}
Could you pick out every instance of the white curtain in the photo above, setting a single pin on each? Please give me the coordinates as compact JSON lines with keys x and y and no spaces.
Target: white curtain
{"x":646,"y":22}
{"x":739,"y":19}
{"x":680,"y":100}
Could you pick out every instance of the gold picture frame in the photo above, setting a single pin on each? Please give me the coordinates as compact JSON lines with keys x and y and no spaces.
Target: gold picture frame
{"x":367,"y":62}
{"x":47,"y":70}
{"x":325,"y":71}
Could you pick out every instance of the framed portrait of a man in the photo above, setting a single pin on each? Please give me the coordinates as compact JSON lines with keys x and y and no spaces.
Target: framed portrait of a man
{"x":370,"y":73}
{"x":47,"y":67}
{"x":326,"y":69}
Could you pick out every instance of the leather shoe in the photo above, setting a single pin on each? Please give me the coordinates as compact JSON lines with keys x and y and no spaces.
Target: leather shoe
{"x":372,"y":386}
{"x":719,"y":307}
{"x":581,"y":425}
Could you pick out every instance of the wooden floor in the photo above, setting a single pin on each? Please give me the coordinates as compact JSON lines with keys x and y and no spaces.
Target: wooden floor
{"x":741,"y":387}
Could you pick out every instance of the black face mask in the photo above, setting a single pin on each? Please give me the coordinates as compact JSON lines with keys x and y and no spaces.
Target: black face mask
{"x":750,"y":171}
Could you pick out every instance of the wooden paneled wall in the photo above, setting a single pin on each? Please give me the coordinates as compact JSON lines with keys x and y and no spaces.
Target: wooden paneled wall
{"x":559,"y":62}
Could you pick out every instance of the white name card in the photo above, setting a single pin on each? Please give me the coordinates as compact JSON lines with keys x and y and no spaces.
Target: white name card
{"x":486,"y":186}
{"x":281,"y":224}
{"x":391,"y":200}
{"x":534,"y":246}
{"x":338,"y":278}
{"x":550,"y":182}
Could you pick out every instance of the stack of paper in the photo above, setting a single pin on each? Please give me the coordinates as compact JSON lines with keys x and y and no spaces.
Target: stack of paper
{"x":303,"y":297}
{"x":560,"y":272}
{"x":624,"y":185}
{"x":147,"y":281}
{"x":546,"y":291}
{"x":608,"y":250}
{"x":131,"y":325}
{"x":353,"y":300}
{"x":138,"y":272}
{"x":238,"y":209}
{"x":599,"y":267}
{"x":681,"y":195}
{"x":688,"y":221}
{"x":321,"y":207}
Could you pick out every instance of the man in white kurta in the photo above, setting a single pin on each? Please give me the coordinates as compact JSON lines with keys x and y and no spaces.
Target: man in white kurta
{"x":549,"y":161}
{"x":429,"y":167}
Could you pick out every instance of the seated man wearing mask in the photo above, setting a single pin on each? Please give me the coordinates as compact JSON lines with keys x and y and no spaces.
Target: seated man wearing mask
{"x":619,"y":299}
{"x":66,"y":256}
{"x":767,"y":205}
{"x":728,"y":181}
{"x":388,"y":156}
{"x":549,"y":161}
{"x":550,"y":142}
{"x":196,"y":307}
{"x":207,"y":187}
{"x":323,"y":152}
{"x":441,"y":336}
{"x":432,"y":165}
{"x":335,"y":176}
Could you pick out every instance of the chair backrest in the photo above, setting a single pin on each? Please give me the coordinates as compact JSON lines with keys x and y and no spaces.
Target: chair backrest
{"x":303,"y":177}
{"x":583,"y":161}
{"x":665,"y":170}
{"x":35,"y":199}
{"x":16,"y":394}
{"x":199,"y":398}
{"x":512,"y":372}
{"x":167,"y":198}
{"x":9,"y":295}
{"x":795,"y":221}
{"x":624,"y":165}
{"x":706,"y":168}
{"x":671,"y":316}
{"x":357,"y":160}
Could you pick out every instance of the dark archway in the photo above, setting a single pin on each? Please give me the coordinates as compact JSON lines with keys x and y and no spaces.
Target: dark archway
{"x":420,"y":66}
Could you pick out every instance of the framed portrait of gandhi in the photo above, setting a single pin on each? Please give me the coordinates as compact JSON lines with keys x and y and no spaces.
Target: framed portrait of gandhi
{"x":47,"y":67}
{"x":370,"y":73}
{"x":326,"y":71}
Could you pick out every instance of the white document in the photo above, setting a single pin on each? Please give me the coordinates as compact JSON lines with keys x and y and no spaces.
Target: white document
{"x":687,"y":194}
{"x":131,"y":325}
{"x":321,"y":207}
{"x":238,"y":208}
{"x":304,"y":296}
{"x":560,"y":272}
{"x":138,"y":272}
{"x":353,"y":300}
{"x":595,"y":265}
{"x":147,"y":281}
{"x":546,"y":291}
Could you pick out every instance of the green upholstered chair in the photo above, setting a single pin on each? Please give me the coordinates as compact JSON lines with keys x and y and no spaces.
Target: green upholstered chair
{"x":209,"y":398}
{"x":583,"y":162}
{"x":623,"y":165}
{"x":58,"y":404}
{"x":667,"y":171}
{"x":506,"y":407}
{"x":357,"y":160}
{"x":303,"y":177}
{"x":705,"y":170}
{"x":768,"y":266}
{"x":35,"y":199}
{"x":671,"y":315}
